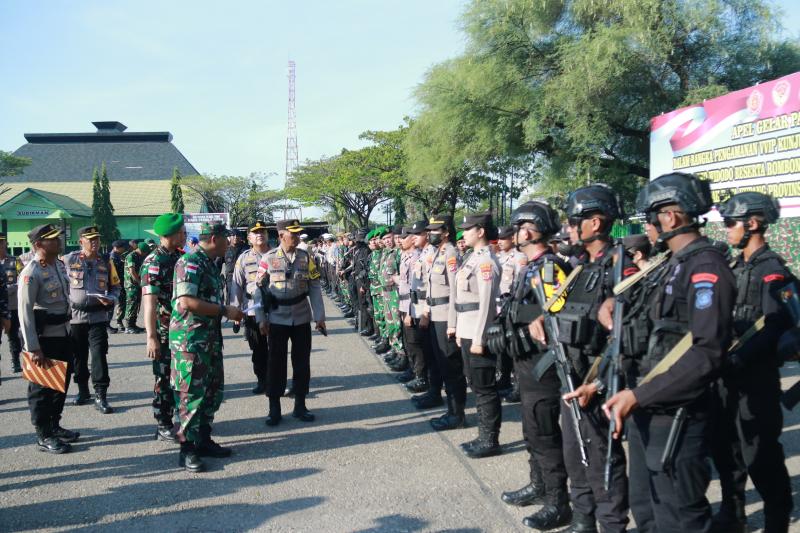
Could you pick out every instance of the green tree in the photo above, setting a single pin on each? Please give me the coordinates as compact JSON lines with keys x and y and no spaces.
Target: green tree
{"x":11,"y":165}
{"x":574,"y":83}
{"x":102,"y":208}
{"x":176,"y":193}
{"x":243,"y":198}
{"x":352,"y":183}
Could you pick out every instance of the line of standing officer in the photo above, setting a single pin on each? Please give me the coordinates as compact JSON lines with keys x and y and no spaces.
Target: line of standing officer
{"x":93,"y":288}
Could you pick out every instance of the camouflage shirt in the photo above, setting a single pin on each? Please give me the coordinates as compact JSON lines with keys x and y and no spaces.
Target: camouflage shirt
{"x":132,"y":261}
{"x":157,"y":277}
{"x":195,"y":275}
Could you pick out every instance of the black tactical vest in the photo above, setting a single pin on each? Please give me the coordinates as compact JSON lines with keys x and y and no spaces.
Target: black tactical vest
{"x":669,"y":313}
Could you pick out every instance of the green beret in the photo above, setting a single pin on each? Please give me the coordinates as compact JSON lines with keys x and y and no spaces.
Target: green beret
{"x":382,"y":231}
{"x":143,"y":247}
{"x":460,"y":235}
{"x":167,"y":224}
{"x":370,"y":235}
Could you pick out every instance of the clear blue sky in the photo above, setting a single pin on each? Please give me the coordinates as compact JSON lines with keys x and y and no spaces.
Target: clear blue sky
{"x":214,"y":73}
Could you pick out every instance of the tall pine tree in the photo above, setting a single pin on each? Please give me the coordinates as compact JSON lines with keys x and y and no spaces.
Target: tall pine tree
{"x":102,"y":209}
{"x":176,"y":193}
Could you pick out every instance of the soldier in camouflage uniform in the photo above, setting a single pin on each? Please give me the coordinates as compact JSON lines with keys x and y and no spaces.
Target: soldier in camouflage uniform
{"x":195,"y":339}
{"x":133,"y":295}
{"x":389,"y":276}
{"x":12,"y":267}
{"x":382,"y":344}
{"x":157,"y":275}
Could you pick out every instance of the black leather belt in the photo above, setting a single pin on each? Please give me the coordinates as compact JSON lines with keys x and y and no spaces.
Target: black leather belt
{"x":437,"y":301}
{"x":404,"y":297}
{"x":290,"y":301}
{"x":463,"y":308}
{"x":421,"y":294}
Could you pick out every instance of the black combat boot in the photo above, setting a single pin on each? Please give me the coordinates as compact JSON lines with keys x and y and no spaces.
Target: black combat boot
{"x":529,"y":494}
{"x":15,"y":365}
{"x":165,"y":433}
{"x":209,"y":448}
{"x":101,"y":403}
{"x":582,"y":523}
{"x":274,"y":416}
{"x":382,"y":347}
{"x":84,"y":397}
{"x":417,"y":385}
{"x":260,"y":387}
{"x":731,"y":517}
{"x":454,"y":417}
{"x":366,"y":333}
{"x":400,"y":365}
{"x":487,"y":444}
{"x":49,"y":443}
{"x":406,"y":376}
{"x":374,"y":337}
{"x":428,"y":400}
{"x":555,"y":513}
{"x":189,"y":458}
{"x":300,"y":411}
{"x":65,"y":435}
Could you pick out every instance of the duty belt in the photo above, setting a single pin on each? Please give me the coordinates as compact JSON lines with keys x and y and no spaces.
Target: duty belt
{"x":421,"y":294}
{"x":289,"y":301}
{"x":404,"y":297}
{"x":463,"y":308}
{"x":90,"y":308}
{"x":437,"y":301}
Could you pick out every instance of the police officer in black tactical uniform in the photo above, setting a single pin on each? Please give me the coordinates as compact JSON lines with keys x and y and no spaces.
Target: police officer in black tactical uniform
{"x":591,"y":212}
{"x":750,"y":420}
{"x":670,"y":388}
{"x":534,"y":224}
{"x":361,"y":255}
{"x":236,"y":248}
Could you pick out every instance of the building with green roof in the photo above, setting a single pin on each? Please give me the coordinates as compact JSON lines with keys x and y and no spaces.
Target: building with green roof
{"x":57,"y":186}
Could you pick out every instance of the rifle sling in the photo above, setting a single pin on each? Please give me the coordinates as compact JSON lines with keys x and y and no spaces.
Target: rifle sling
{"x":630,"y":281}
{"x":685,"y":343}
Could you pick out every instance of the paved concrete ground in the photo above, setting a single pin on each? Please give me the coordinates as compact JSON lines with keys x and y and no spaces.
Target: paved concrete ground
{"x":369,"y":463}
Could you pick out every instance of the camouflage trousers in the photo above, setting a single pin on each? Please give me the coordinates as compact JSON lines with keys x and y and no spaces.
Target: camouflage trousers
{"x":344,"y":290}
{"x":163,"y":395}
{"x":377,"y":307}
{"x":391,"y":316}
{"x":133,"y":297}
{"x":198,"y":381}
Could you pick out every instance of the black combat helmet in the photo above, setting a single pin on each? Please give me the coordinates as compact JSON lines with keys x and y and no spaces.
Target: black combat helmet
{"x":597,"y":198}
{"x":541,"y":214}
{"x":746,"y":204}
{"x":743,"y":205}
{"x":692,"y":194}
{"x":687,"y":191}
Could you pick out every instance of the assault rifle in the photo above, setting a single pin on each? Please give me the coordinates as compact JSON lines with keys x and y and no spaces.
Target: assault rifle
{"x":557,"y":353}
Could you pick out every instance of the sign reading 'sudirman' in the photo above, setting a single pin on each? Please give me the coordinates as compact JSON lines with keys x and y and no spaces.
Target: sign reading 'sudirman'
{"x":747,"y":140}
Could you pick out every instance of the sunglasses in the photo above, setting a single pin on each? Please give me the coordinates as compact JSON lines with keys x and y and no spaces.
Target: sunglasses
{"x":730,"y":222}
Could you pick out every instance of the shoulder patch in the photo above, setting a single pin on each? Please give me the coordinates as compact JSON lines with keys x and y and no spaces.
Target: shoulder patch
{"x":153,"y":269}
{"x":191,"y":268}
{"x":486,"y":271}
{"x":703,"y":298}
{"x":704,"y":276}
{"x":773,"y":277}
{"x":452,"y":264}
